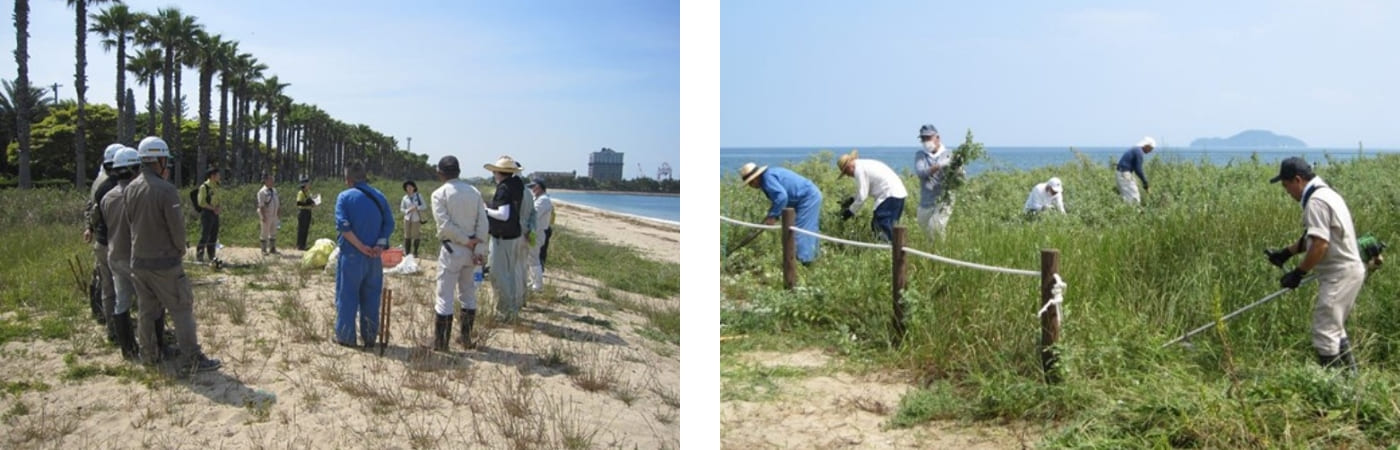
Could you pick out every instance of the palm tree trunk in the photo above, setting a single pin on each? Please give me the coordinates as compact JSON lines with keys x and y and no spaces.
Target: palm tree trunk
{"x":223,"y":120}
{"x":121,"y":89}
{"x":166,"y":116}
{"x":206,"y":78}
{"x":22,"y":81}
{"x":80,"y":83}
{"x":151,"y":106}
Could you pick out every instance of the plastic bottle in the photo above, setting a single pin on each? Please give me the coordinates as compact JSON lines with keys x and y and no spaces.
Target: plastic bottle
{"x":476,"y":275}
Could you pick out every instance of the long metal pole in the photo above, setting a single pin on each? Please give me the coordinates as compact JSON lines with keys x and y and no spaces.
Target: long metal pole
{"x":1236,"y":312}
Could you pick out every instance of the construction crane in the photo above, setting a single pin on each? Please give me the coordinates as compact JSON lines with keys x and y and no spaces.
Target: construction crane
{"x":640,"y":172}
{"x":663,"y":172}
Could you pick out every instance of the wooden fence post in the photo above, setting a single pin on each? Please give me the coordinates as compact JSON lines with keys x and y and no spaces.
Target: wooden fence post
{"x":789,"y":249}
{"x":901,"y":279}
{"x":1050,"y":320}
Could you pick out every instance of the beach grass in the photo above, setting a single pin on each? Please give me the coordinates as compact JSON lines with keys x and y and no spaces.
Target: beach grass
{"x":1137,"y":277}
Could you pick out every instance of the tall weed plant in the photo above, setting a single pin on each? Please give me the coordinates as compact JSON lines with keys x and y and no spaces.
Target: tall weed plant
{"x":1138,"y":277}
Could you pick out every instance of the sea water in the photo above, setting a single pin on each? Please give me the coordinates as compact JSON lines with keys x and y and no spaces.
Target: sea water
{"x":664,"y":207}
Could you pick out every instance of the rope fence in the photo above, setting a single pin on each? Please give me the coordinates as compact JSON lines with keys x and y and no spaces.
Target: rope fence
{"x":1052,"y":287}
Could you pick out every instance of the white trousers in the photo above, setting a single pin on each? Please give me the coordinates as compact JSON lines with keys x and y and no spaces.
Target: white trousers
{"x":934,"y":220}
{"x":1336,"y":295}
{"x":536,"y":267}
{"x":1128,"y":188}
{"x":454,"y":280}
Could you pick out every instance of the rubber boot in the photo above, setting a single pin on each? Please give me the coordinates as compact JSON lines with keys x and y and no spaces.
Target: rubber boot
{"x":442,"y":332}
{"x":415,"y":247}
{"x":199,"y":253}
{"x":1348,"y":358}
{"x":468,"y":318}
{"x":272,"y":246}
{"x":126,"y":339}
{"x":264,"y":246}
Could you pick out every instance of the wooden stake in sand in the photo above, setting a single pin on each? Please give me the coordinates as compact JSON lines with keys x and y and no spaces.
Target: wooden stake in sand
{"x":386,"y":311}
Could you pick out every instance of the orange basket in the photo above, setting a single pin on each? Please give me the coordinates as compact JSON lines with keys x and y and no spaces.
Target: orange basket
{"x":391,"y":257}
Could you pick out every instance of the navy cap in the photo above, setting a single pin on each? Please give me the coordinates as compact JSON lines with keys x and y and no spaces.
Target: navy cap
{"x":1292,"y":167}
{"x":538,"y":182}
{"x":928,"y":130}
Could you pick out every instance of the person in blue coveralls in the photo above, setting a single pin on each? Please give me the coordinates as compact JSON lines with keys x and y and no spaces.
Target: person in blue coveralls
{"x":364,"y":220}
{"x":787,"y":189}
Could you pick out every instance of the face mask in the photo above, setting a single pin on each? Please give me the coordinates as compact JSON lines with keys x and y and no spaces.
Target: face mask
{"x":931,"y":145}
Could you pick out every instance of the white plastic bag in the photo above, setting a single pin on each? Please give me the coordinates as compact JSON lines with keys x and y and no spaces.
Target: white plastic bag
{"x":333,"y":262}
{"x":409,"y":265}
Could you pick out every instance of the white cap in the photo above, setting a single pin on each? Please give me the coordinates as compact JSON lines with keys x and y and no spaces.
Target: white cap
{"x":1054,"y":185}
{"x":1147,"y":142}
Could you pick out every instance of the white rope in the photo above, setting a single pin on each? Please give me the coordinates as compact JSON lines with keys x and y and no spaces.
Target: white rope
{"x":841,"y":241}
{"x":750,"y":225}
{"x":969,"y":265}
{"x":1057,"y":299}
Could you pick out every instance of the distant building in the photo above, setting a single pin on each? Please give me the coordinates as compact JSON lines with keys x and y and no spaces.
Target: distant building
{"x":605,"y":165}
{"x":554,"y":175}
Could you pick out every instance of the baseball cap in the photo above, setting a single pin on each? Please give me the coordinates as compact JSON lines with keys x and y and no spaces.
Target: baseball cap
{"x":538,"y":182}
{"x":1054,"y":185}
{"x":928,"y":130}
{"x":1292,"y":167}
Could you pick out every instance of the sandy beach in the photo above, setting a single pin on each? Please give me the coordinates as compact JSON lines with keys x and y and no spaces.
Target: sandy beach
{"x":575,"y":372}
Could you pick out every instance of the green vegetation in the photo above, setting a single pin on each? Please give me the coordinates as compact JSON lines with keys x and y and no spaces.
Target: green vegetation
{"x":616,"y":266}
{"x":42,"y":234}
{"x":1137,"y":278}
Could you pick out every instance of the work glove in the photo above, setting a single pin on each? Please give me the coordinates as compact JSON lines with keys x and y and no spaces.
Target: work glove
{"x":1292,"y":279}
{"x":846,"y":204}
{"x":1278,"y":256}
{"x":846,"y":214}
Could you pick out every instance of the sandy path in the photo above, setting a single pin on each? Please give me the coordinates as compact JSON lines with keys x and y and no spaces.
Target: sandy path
{"x":574,"y":373}
{"x":657,"y":240}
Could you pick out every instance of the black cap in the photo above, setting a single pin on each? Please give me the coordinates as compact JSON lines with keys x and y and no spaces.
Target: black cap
{"x":305,"y":180}
{"x":448,"y":164}
{"x":1292,"y":167}
{"x":211,"y":172}
{"x":538,"y":182}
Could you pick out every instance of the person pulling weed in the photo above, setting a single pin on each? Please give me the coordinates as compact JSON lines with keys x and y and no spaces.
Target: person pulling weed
{"x":1047,"y":196}
{"x":1130,"y":164}
{"x":1329,"y":247}
{"x":874,"y":179}
{"x":787,"y":189}
{"x":930,"y":163}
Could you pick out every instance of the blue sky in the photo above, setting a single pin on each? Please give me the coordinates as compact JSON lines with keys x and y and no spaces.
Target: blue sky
{"x":1087,"y":73}
{"x":546,"y":82}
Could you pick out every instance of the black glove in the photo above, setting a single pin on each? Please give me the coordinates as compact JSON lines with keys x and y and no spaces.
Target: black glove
{"x":1292,"y":279}
{"x":846,"y":214}
{"x":1278,"y":257}
{"x":846,"y":204}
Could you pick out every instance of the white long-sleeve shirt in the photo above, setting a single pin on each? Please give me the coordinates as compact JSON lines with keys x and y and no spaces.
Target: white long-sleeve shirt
{"x":544,"y":212}
{"x":1040,"y":200}
{"x":460,"y":214}
{"x":412,"y":206}
{"x":875,"y":180}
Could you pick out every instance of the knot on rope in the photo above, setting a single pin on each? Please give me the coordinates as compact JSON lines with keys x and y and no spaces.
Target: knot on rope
{"x":1057,"y":298}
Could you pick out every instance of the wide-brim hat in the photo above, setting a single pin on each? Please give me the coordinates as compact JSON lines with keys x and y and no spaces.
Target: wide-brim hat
{"x":844,"y":160}
{"x":503,"y":164}
{"x":749,"y":171}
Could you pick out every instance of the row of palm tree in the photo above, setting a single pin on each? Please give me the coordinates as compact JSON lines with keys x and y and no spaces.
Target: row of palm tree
{"x":260,"y":129}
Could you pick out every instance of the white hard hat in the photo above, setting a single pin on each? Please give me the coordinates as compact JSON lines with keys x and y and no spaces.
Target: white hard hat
{"x":126,"y":157}
{"x":153,"y":147}
{"x":110,"y":154}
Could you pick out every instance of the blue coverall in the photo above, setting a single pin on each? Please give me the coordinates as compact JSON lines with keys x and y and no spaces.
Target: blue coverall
{"x":360,"y":278}
{"x":787,"y":189}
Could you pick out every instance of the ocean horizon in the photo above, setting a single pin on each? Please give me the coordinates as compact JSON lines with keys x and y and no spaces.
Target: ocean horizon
{"x":663,"y":207}
{"x":901,"y":158}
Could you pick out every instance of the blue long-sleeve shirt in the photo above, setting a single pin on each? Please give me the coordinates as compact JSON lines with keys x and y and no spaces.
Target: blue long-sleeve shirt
{"x":1132,"y":162}
{"x":370,"y":218}
{"x":787,"y":189}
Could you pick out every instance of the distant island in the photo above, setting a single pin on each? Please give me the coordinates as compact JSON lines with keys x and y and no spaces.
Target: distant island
{"x":1251,"y":139}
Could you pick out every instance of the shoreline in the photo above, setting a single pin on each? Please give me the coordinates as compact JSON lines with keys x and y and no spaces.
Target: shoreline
{"x":649,"y":194}
{"x":659,"y":223}
{"x":653,"y":239}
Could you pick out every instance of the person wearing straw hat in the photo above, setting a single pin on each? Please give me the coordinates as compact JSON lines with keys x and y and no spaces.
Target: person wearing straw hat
{"x":929,"y":161}
{"x":1131,"y":164}
{"x":875,"y":180}
{"x":365,"y":223}
{"x":1329,"y":246}
{"x":786,"y":189}
{"x":305,"y":202}
{"x":1047,"y":196}
{"x":462,"y":228}
{"x":506,"y":228}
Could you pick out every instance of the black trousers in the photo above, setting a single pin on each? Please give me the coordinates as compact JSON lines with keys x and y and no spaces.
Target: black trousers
{"x":544,"y":248}
{"x":303,"y":227}
{"x":209,"y":233}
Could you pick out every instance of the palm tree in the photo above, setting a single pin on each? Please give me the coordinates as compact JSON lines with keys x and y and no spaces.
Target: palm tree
{"x":80,"y":83}
{"x":116,"y":24}
{"x":146,"y":66}
{"x":169,"y":29}
{"x":11,"y":101}
{"x":270,"y":93}
{"x":208,"y":49}
{"x":225,"y":60}
{"x":22,"y":83}
{"x":249,"y":70}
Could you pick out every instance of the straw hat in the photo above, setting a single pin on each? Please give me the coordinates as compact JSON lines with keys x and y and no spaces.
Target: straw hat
{"x":846,"y":159}
{"x":504,"y":164}
{"x":749,"y":171}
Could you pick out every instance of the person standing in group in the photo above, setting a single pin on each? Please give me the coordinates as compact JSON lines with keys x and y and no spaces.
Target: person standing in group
{"x":505,"y":226}
{"x":96,"y":233}
{"x":269,"y":214}
{"x":413,"y":220}
{"x":113,"y":209}
{"x":875,"y":180}
{"x":786,"y":189}
{"x":528,"y":221}
{"x":157,"y":227}
{"x":1329,"y":246}
{"x":365,"y":222}
{"x":1047,"y":196}
{"x":304,"y":204}
{"x":1130,"y":164}
{"x":544,"y":223}
{"x":462,"y":226}
{"x":209,"y":210}
{"x":929,"y":162}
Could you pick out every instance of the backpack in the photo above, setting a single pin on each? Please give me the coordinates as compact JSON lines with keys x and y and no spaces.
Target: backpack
{"x":194,"y":199}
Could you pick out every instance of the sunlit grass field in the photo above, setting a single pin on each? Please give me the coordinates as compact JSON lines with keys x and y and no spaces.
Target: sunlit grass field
{"x":1138,"y":277}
